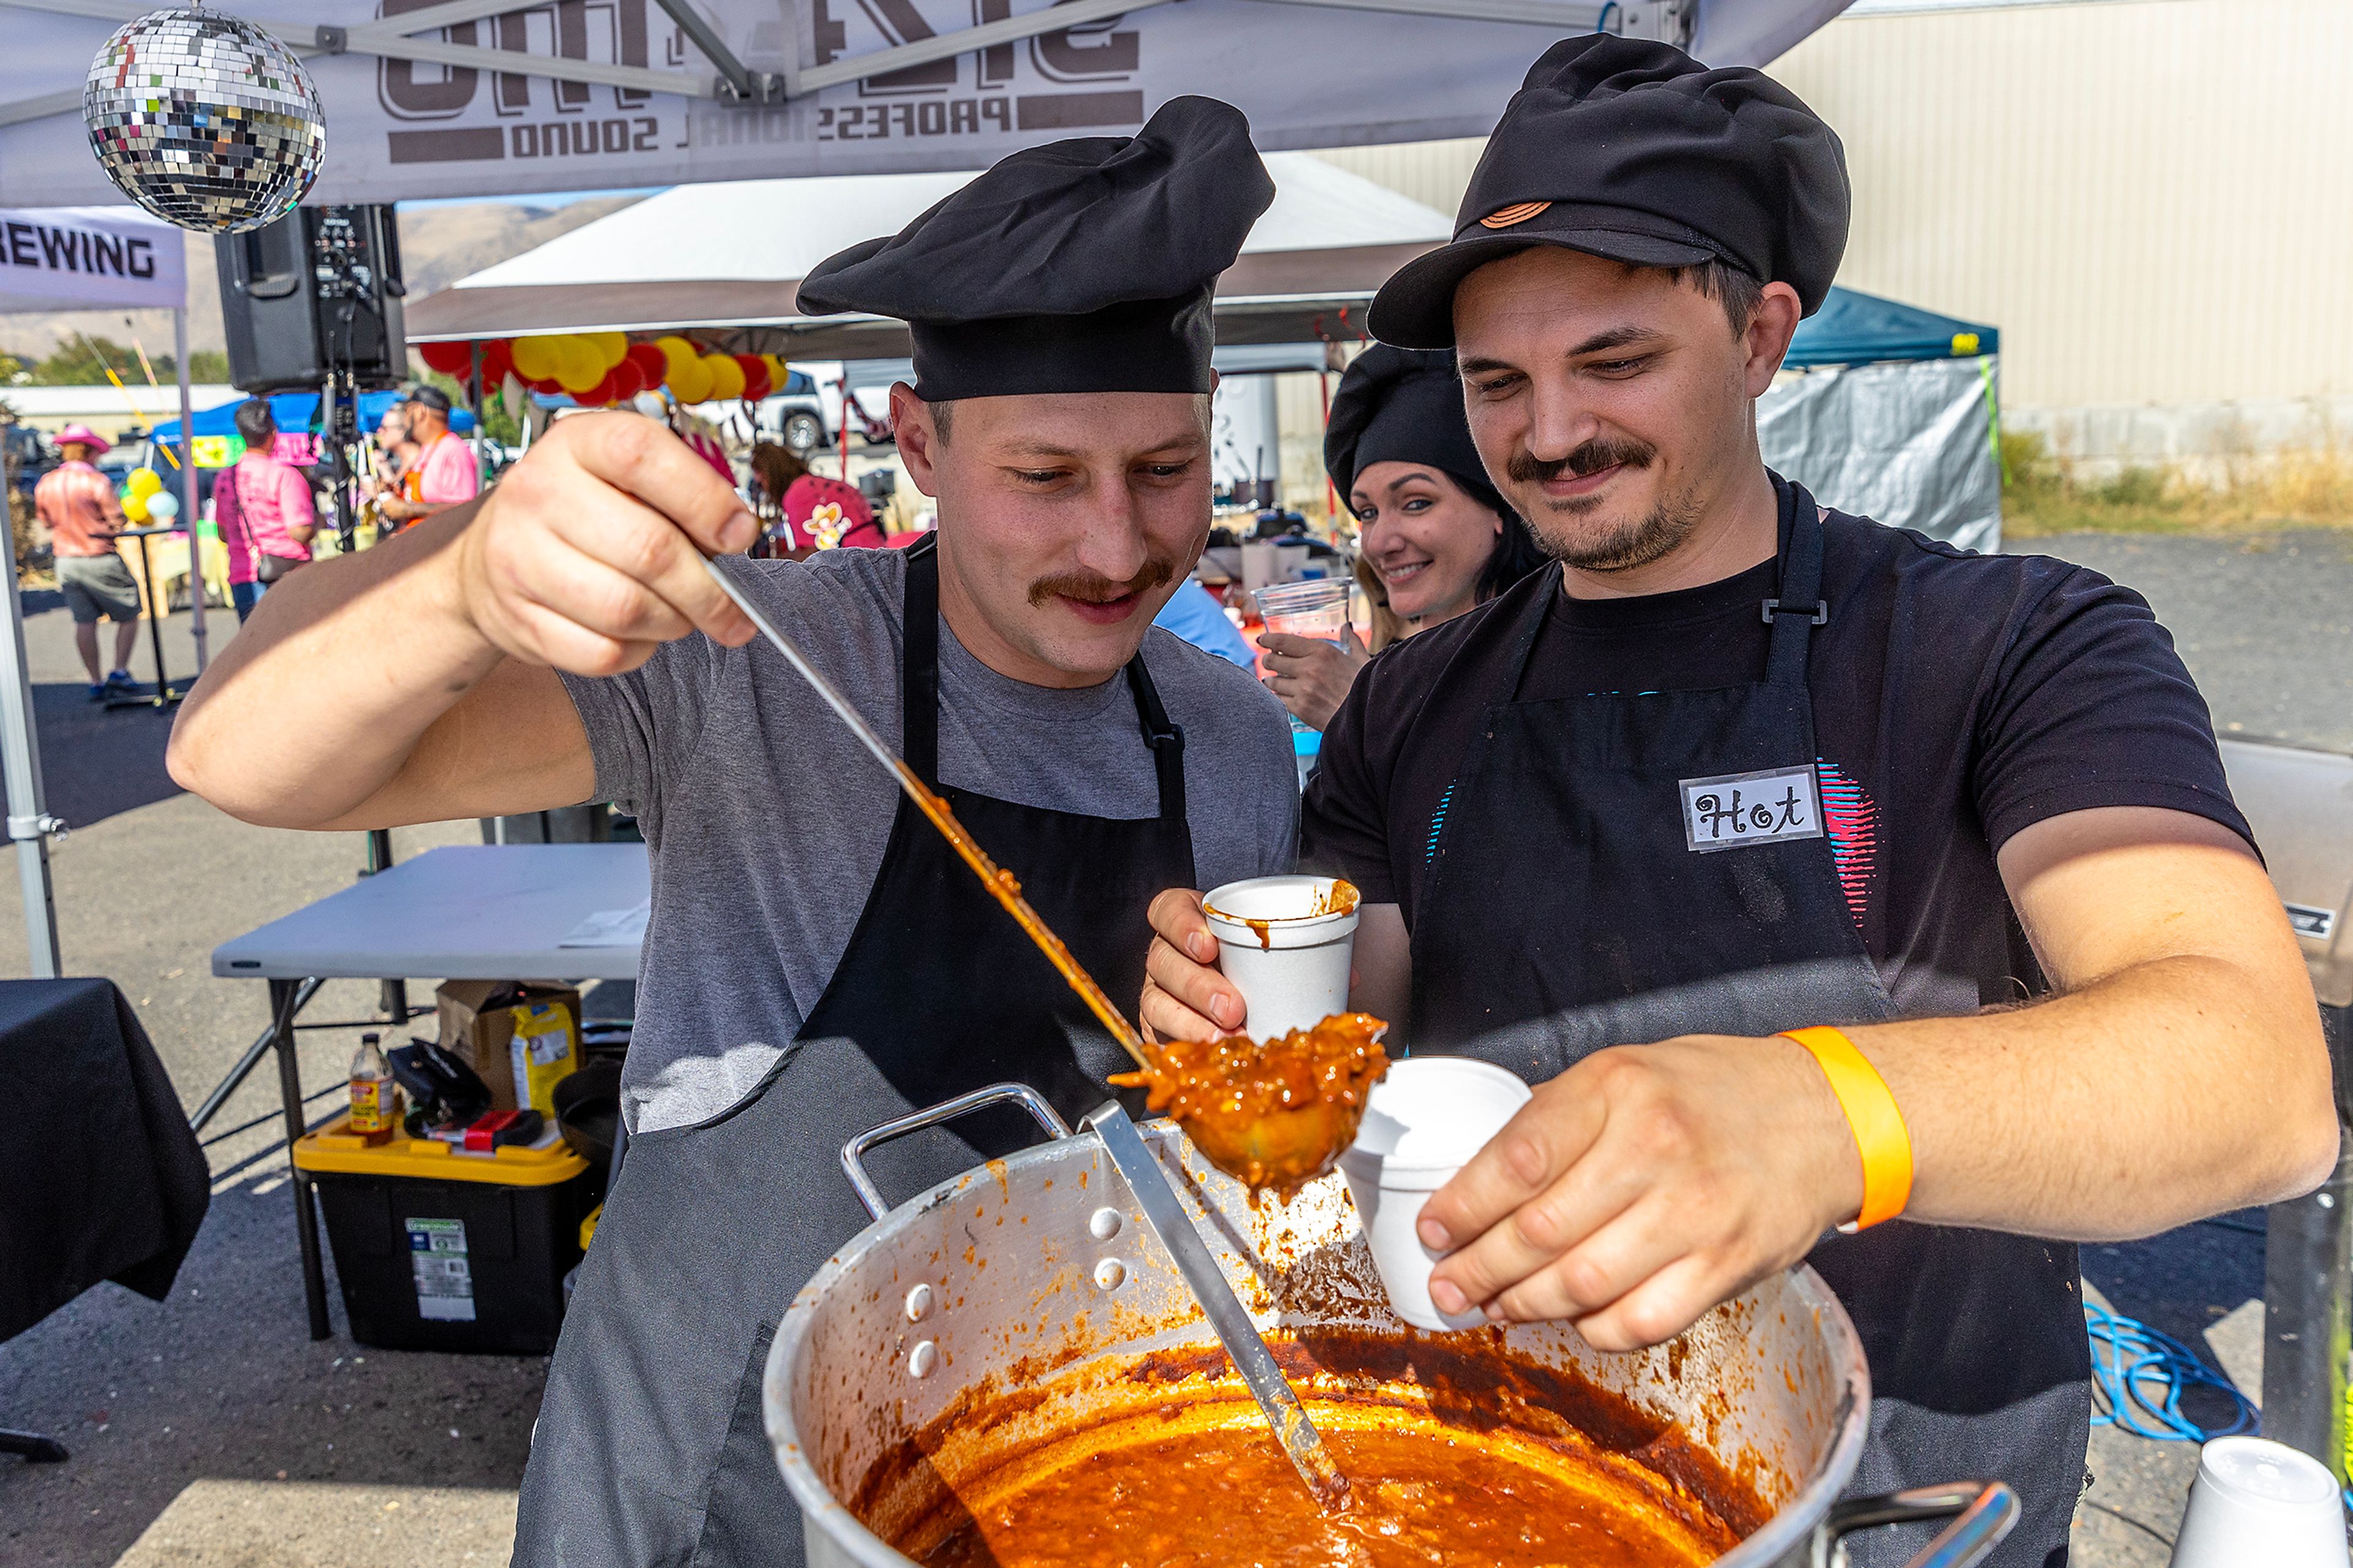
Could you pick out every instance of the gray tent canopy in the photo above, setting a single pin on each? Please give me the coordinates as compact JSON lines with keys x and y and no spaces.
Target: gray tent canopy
{"x":456,"y":98}
{"x":1891,"y":412}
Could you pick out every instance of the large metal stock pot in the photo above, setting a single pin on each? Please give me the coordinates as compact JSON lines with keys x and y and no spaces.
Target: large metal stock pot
{"x":1021,"y":1293}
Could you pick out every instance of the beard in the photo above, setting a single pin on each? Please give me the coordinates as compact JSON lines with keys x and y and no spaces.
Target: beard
{"x":1093,"y":587}
{"x":1593,"y":544}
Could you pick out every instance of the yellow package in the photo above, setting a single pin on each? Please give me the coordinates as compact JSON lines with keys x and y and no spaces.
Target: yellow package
{"x":544,"y":1051}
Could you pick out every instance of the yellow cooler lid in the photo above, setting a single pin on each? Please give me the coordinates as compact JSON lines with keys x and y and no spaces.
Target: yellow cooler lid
{"x":335,"y":1149}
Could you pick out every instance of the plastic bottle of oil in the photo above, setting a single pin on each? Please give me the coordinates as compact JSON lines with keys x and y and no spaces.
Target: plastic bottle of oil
{"x":375,"y":1102}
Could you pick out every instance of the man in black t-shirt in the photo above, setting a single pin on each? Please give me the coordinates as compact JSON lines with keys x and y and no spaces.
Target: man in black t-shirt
{"x":1741,"y":765}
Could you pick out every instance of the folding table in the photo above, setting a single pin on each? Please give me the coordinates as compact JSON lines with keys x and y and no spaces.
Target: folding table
{"x":460,"y":912}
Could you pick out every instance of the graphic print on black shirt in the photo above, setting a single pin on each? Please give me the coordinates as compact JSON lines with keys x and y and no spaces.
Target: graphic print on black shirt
{"x":1958,"y":698}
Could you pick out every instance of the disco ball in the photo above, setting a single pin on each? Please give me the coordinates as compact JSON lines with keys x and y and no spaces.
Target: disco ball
{"x":204,"y":120}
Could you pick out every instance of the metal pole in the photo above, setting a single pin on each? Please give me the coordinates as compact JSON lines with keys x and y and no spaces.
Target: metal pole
{"x":188,"y":519}
{"x":29,"y":822}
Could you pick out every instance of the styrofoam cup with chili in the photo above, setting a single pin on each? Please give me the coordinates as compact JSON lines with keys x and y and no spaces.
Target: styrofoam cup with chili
{"x":1285,"y":943}
{"x":1422,"y":1123}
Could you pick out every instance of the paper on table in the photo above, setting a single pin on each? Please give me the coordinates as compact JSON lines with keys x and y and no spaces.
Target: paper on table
{"x":611,"y":928}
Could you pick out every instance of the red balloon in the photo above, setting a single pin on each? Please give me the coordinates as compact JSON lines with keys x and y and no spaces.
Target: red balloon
{"x":498,"y":363}
{"x":449,"y":359}
{"x":626,"y":380}
{"x":653,"y":366}
{"x":548,"y":387}
{"x":755,"y":378}
{"x":597,"y":395}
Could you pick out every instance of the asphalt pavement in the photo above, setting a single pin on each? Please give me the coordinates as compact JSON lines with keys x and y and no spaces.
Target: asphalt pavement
{"x":209,"y":1430}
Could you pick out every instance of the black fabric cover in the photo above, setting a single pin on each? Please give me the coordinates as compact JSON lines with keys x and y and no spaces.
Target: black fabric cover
{"x":1632,"y":150}
{"x":99,"y":1176}
{"x":1082,"y":266}
{"x":1403,"y":406}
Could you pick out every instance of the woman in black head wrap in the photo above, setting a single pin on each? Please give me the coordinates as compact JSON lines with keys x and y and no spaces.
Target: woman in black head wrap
{"x":1434,"y":538}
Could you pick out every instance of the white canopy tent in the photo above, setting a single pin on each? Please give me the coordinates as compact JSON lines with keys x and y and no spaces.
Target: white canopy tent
{"x":77,"y":258}
{"x":452,"y":98}
{"x":731,"y":255}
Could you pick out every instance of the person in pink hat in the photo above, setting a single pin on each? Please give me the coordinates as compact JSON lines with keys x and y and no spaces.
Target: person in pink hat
{"x":77,"y":505}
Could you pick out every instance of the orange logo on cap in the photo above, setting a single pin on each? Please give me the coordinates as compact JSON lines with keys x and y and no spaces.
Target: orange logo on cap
{"x":1506,"y":216}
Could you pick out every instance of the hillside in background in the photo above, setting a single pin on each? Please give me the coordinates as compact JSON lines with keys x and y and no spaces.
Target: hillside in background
{"x":438,"y":245}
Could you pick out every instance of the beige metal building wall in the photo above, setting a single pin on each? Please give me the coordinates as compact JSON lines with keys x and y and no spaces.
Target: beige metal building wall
{"x":2153,"y":199}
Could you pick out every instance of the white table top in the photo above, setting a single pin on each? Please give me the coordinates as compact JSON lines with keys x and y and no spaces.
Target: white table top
{"x":460,"y":912}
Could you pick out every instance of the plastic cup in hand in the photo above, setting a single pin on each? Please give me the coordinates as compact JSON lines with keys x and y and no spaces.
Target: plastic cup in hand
{"x":2260,"y":1504}
{"x":1285,"y":942}
{"x":1422,"y":1123}
{"x":1317,"y":607}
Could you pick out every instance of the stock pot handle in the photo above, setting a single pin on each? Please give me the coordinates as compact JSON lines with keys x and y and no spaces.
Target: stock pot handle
{"x":1987,"y":1510}
{"x":1021,"y":1094}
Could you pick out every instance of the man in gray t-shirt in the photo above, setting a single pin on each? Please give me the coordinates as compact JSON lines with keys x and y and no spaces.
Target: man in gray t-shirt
{"x":819,"y":961}
{"x":767,"y":821}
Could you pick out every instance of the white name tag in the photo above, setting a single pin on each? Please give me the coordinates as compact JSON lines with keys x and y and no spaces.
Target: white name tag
{"x":1736,"y":810}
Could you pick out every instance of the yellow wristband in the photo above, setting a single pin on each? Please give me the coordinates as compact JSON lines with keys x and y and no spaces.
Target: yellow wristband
{"x":1871,"y":1112}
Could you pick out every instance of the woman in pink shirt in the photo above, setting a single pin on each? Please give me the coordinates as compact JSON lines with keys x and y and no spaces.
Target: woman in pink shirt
{"x":262,"y":508}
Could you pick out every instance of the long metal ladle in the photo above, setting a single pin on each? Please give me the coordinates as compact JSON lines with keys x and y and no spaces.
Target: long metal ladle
{"x":1162,"y":1212}
{"x":999,"y":883}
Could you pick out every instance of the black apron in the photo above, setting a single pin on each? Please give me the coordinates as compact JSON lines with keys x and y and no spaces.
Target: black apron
{"x":1617,"y":868}
{"x":650,"y":1448}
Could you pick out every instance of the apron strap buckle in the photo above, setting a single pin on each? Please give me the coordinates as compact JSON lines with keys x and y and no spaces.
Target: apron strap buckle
{"x":1821,"y":612}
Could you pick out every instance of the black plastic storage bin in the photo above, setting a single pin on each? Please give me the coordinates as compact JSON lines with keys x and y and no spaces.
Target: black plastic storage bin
{"x":441,"y":1250}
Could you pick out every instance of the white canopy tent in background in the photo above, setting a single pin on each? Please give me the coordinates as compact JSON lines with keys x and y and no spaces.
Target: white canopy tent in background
{"x":730,"y":256}
{"x":77,"y":258}
{"x":453,"y":98}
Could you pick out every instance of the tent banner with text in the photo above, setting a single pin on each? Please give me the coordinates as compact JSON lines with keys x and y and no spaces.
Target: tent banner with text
{"x":81,"y":259}
{"x":402,"y":129}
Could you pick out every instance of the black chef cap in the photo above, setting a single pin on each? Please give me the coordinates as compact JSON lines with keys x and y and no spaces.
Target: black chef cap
{"x":1403,"y":406}
{"x":1082,"y":265}
{"x":1632,"y":150}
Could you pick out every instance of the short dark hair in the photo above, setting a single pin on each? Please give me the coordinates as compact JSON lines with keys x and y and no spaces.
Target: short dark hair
{"x":255,"y":422}
{"x":431,"y":397}
{"x":1737,"y":291}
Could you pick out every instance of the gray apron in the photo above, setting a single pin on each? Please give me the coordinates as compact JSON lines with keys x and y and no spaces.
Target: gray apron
{"x":650,"y":1448}
{"x":1617,"y":868}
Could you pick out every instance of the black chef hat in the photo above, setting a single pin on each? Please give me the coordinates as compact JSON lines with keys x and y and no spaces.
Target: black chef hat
{"x":1634,"y":151}
{"x":1081,"y":265}
{"x":1403,"y":406}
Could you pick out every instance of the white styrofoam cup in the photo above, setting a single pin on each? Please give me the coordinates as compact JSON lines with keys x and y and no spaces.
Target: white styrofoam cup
{"x":1290,"y":964}
{"x":1422,"y":1123}
{"x":2261,"y":1504}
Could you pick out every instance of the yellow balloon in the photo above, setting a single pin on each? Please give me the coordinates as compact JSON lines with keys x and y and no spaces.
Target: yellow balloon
{"x":578,"y":376}
{"x":144,"y":482}
{"x":580,"y":359}
{"x":611,"y":347}
{"x":677,"y":350}
{"x":726,"y":377}
{"x":135,"y":507}
{"x":537,"y":358}
{"x":777,"y":373}
{"x":690,"y":381}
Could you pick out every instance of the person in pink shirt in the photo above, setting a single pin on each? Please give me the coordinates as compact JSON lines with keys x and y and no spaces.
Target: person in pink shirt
{"x":445,"y":473}
{"x":77,"y":504}
{"x":263,"y":510}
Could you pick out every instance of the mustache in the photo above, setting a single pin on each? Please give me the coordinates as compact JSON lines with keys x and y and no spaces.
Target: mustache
{"x":1525,"y":468}
{"x":1094,"y":588}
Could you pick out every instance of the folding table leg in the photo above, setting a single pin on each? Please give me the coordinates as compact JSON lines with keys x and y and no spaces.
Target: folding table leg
{"x":306,"y":1219}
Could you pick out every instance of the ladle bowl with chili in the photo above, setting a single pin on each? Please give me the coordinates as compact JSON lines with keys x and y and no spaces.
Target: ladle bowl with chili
{"x":1006,"y":1371}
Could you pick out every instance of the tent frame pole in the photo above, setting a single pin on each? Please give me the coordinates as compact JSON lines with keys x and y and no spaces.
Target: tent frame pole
{"x":188,"y":517}
{"x":29,"y":822}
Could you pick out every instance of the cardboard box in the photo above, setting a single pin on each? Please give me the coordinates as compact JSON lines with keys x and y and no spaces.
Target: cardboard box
{"x":478,"y":1019}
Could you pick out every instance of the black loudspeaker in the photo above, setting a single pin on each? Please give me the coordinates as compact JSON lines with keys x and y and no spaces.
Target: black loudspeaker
{"x":315,"y":294}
